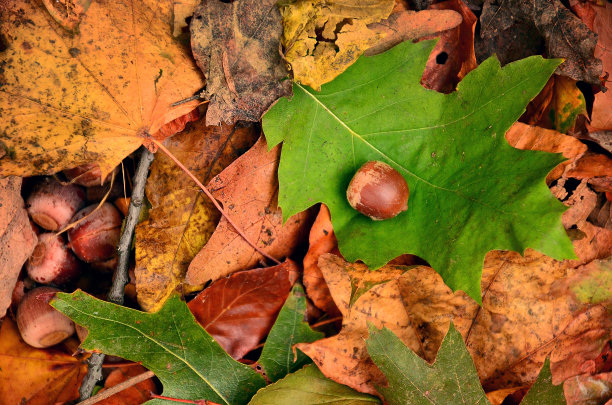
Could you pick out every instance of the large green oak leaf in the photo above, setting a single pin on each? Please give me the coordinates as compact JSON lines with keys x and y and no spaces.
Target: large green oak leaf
{"x":470,"y":191}
{"x":186,"y":359}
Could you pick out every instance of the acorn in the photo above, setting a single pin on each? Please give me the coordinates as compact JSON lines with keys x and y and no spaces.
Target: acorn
{"x":87,"y":175}
{"x":52,"y":261}
{"x":41,"y":325}
{"x":378,"y":191}
{"x":95,"y":238}
{"x":51,"y":205}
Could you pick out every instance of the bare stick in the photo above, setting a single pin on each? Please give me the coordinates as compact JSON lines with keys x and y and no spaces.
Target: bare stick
{"x":115,"y":295}
{"x":214,"y":201}
{"x":118,"y":388}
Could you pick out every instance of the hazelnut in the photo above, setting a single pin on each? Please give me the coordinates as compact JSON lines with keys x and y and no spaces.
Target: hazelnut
{"x":95,"y":238}
{"x":378,"y":191}
{"x":39,"y":323}
{"x":52,"y":261}
{"x":51,"y":204}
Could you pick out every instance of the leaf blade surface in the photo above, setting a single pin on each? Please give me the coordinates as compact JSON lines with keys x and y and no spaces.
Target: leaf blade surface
{"x":464,"y":178}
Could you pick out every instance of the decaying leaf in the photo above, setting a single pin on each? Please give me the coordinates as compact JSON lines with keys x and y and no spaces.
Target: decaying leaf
{"x":239,"y":310}
{"x":32,"y":376}
{"x":597,"y":17}
{"x":322,"y":38}
{"x":236,"y":44}
{"x":181,"y":218}
{"x":514,"y":29}
{"x":17,"y":238}
{"x":67,"y":12}
{"x":588,"y":389}
{"x":248,"y":190}
{"x":567,"y":103}
{"x":69,"y":98}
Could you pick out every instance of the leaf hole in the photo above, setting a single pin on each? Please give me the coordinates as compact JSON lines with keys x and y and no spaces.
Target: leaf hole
{"x":441,"y":58}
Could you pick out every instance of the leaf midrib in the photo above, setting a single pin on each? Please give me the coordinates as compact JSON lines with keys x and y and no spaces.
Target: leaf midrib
{"x":157,"y":343}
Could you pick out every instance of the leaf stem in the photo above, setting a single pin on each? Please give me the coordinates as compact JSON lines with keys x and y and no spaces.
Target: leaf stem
{"x":214,"y":201}
{"x":184,"y":401}
{"x":120,"y":279}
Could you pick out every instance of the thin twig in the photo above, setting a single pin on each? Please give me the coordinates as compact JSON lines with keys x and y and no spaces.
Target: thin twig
{"x":118,"y":388}
{"x":214,"y":201}
{"x":115,"y":295}
{"x":121,"y":273}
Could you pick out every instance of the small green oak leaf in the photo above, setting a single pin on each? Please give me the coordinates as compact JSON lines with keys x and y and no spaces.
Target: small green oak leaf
{"x":470,"y":191}
{"x":186,"y":359}
{"x":278,"y":357}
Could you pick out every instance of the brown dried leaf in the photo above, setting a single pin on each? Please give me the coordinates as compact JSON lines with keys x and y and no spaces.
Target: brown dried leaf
{"x":17,"y":238}
{"x":236,"y":44}
{"x":453,"y":57}
{"x":34,"y":376}
{"x":239,"y":310}
{"x":597,"y":17}
{"x":415,"y":305}
{"x":248,"y":190}
{"x":181,"y":218}
{"x":322,"y":240}
{"x":89,"y":96}
{"x":514,"y":29}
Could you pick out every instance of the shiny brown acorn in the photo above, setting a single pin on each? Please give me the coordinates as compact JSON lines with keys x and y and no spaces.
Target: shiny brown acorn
{"x":378,"y":191}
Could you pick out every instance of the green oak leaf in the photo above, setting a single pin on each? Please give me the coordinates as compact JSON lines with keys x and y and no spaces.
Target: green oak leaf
{"x":309,"y":386}
{"x":543,"y":391}
{"x":186,"y":359}
{"x":452,"y":379}
{"x":470,"y":192}
{"x":277,"y":357}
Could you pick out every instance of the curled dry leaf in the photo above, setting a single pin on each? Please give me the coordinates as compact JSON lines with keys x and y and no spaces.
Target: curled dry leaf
{"x":321,"y":240}
{"x":236,"y":44}
{"x":17,"y":238}
{"x":89,"y":96}
{"x":36,"y":377}
{"x":248,"y":190}
{"x":239,"y":310}
{"x":181,"y":218}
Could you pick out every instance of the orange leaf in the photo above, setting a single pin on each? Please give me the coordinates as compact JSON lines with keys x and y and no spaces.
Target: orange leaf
{"x":70,"y":98}
{"x":134,"y":395}
{"x":248,"y":190}
{"x":181,"y":218}
{"x":33,"y":376}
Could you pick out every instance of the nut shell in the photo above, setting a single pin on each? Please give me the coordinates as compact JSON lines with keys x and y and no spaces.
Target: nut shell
{"x":41,"y":325}
{"x":378,"y":191}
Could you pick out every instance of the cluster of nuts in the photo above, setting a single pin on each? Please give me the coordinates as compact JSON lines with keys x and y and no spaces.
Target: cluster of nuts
{"x":59,"y":258}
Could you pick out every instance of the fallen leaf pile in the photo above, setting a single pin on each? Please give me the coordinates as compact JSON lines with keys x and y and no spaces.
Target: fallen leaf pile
{"x":493,"y":286}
